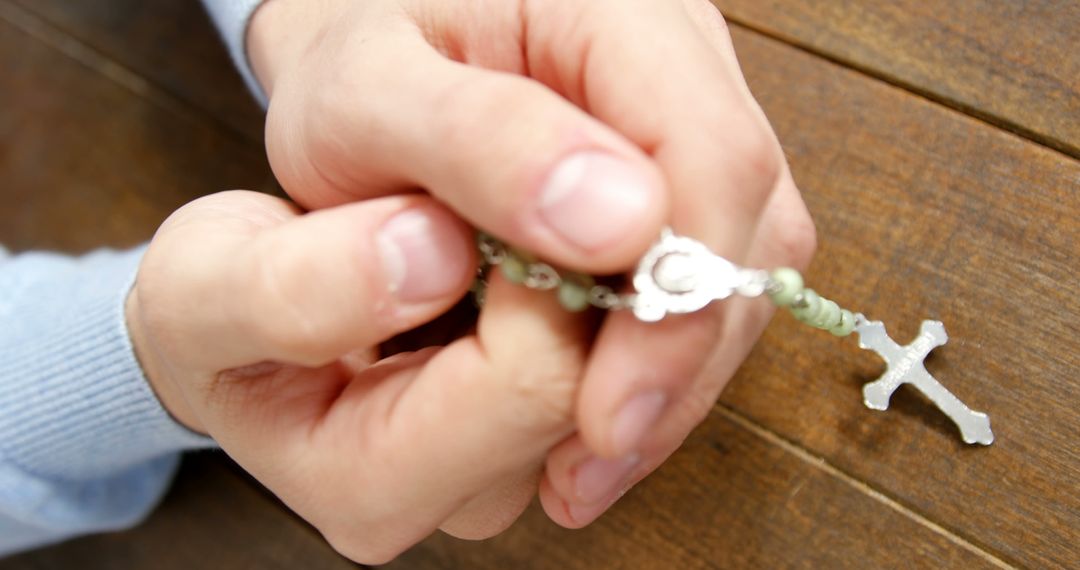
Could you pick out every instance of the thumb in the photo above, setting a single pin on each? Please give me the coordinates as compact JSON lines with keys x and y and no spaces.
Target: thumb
{"x":246,"y":278}
{"x":449,"y":430}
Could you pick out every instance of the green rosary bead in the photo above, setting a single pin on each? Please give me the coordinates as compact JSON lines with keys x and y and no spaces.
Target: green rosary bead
{"x":819,"y":315}
{"x":807,"y":306}
{"x":847,"y":324}
{"x":573,"y":292}
{"x":514,"y":269}
{"x":789,"y":283}
{"x":525,"y":257}
{"x":819,"y":312}
{"x":829,"y":315}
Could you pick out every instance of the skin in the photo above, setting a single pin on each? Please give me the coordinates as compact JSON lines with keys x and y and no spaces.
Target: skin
{"x":463,"y":112}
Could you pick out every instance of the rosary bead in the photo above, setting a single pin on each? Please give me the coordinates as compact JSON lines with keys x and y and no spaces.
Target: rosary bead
{"x":807,"y":305}
{"x":526,"y":257}
{"x":829,"y":316}
{"x":847,"y":324}
{"x":574,"y":295}
{"x":814,"y":318}
{"x":789,"y":284}
{"x":514,"y":269}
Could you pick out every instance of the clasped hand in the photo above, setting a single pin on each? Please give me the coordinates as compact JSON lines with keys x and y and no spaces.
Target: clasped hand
{"x":574,"y":130}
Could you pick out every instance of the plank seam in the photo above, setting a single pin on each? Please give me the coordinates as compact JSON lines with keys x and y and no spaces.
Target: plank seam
{"x":821,"y":463}
{"x":52,"y":35}
{"x":996,"y":121}
{"x":62,"y":41}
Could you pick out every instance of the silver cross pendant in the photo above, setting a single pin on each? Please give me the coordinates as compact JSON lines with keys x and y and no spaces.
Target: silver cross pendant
{"x":904,"y":365}
{"x":680,"y":275}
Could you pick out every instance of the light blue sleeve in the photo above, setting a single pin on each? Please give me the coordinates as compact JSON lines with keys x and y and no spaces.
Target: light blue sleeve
{"x":85,"y":446}
{"x":232,"y":18}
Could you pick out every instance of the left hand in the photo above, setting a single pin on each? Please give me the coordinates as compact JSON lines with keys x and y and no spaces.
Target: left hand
{"x":260,"y":325}
{"x":571,"y":129}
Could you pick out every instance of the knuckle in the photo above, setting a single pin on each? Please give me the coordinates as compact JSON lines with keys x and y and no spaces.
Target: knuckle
{"x":761,"y":160}
{"x":276,"y":296}
{"x":332,"y":107}
{"x":708,"y":15}
{"x":694,"y":407}
{"x":543,"y":398}
{"x":491,"y":527}
{"x":488,"y":529}
{"x":799,"y":240}
{"x":796,"y":237}
{"x":542,"y":387}
{"x":485,"y":526}
{"x":496,"y":99}
{"x":375,"y":548}
{"x":534,"y":372}
{"x":332,"y":128}
{"x":751,"y":160}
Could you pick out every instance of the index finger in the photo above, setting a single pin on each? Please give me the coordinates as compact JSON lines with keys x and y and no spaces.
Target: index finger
{"x":671,"y":92}
{"x":643,"y":68}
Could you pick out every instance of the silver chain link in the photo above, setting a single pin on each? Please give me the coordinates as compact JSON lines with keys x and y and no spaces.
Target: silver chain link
{"x":541,"y":277}
{"x":493,"y":251}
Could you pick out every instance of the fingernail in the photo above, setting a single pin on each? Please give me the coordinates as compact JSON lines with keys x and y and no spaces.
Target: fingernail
{"x":584,"y":514}
{"x":423,"y":255}
{"x":635,"y":419}
{"x":593,"y":199}
{"x":597,"y":478}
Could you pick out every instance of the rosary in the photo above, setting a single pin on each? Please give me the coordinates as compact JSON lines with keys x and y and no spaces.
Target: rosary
{"x":680,"y":275}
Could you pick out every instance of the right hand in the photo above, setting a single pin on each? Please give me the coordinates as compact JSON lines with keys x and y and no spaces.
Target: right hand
{"x":572,"y":129}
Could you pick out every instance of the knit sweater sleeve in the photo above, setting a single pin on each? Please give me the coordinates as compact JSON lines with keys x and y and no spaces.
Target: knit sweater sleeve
{"x":231,"y":18}
{"x":85,"y":446}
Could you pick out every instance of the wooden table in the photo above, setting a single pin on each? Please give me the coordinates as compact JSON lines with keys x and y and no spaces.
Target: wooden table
{"x":937,"y":146}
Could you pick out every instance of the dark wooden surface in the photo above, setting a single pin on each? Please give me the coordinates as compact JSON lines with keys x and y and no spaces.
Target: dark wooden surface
{"x":91,"y":153}
{"x":1011,"y":63}
{"x":937,"y":152}
{"x":174,"y":50}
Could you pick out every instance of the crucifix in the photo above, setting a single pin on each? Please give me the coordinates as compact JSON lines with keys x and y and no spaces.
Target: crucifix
{"x":904,"y":365}
{"x":681,"y":275}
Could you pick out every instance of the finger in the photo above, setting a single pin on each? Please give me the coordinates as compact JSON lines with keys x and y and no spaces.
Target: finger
{"x":510,"y":155}
{"x":621,"y":412}
{"x":624,"y":408}
{"x":722,"y":162}
{"x":495,"y":509}
{"x":269,"y":284}
{"x":579,"y":485}
{"x":714,"y":30}
{"x":677,"y":91}
{"x":481,"y":412}
{"x":643,"y":68}
{"x":667,"y":91}
{"x":785,"y":236}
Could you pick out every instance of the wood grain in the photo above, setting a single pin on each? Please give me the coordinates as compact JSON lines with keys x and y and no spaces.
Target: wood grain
{"x":727,"y":499}
{"x":925,"y":213}
{"x":211,"y":518}
{"x":171,"y":44}
{"x":1015,"y":64}
{"x":922,"y":212}
{"x":87,"y":162}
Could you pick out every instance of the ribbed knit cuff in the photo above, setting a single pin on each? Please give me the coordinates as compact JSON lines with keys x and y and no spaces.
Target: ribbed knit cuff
{"x":232,"y":18}
{"x":74,"y":403}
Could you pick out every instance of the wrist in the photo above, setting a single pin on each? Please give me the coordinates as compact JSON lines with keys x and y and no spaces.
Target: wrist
{"x":167,"y":392}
